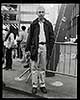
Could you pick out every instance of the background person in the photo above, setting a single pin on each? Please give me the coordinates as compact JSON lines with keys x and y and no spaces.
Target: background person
{"x":8,"y":43}
{"x":23,"y":38}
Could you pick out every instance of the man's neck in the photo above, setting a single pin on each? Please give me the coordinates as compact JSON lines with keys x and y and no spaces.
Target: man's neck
{"x":41,"y":19}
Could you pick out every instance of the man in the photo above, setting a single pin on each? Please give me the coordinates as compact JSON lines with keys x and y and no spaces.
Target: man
{"x":8,"y":43}
{"x":19,"y":51}
{"x":40,"y":42}
{"x":23,"y":38}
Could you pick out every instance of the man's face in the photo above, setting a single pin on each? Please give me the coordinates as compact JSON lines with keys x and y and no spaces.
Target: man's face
{"x":41,"y":12}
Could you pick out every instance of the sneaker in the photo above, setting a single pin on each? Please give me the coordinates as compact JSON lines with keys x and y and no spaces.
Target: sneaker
{"x":34,"y":90}
{"x":26,"y":66}
{"x":43,"y":89}
{"x":6,"y":68}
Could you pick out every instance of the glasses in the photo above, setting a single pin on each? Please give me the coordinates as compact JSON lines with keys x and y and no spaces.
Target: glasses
{"x":41,"y":11}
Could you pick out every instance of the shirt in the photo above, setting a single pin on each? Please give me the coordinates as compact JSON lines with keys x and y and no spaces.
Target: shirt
{"x":42,"y":34}
{"x":23,"y":36}
{"x":10,"y":41}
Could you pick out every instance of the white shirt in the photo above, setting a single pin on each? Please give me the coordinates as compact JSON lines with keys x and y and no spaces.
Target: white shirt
{"x":23,"y":36}
{"x":8,"y":43}
{"x":42,"y":34}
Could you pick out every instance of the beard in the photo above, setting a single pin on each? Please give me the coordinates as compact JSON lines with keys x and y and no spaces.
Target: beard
{"x":41,"y":17}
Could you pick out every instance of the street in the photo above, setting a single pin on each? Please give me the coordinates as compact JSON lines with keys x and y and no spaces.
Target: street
{"x":11,"y":94}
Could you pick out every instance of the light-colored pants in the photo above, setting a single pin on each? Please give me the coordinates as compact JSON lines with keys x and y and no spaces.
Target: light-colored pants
{"x":38,"y":68}
{"x":23,"y":50}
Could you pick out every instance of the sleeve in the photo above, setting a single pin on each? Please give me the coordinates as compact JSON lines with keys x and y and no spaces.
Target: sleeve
{"x":51,"y":38}
{"x":51,"y":34}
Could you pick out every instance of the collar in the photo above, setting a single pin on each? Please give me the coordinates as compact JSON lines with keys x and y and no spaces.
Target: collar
{"x":37,"y":21}
{"x":41,"y":21}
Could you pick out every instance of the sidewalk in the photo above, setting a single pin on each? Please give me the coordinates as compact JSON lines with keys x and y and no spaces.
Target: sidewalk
{"x":67,"y":90}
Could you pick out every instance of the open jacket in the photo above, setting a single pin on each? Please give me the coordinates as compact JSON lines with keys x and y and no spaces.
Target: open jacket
{"x":33,"y":38}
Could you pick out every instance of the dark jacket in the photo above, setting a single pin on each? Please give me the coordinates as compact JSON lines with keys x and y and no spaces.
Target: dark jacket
{"x":33,"y":38}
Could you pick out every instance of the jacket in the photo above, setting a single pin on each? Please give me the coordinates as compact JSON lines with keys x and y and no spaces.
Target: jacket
{"x":33,"y":38}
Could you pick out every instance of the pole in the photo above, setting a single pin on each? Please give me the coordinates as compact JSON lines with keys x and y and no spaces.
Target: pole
{"x":57,"y":35}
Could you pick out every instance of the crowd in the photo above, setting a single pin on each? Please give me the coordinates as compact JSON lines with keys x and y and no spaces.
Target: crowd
{"x":13,"y":44}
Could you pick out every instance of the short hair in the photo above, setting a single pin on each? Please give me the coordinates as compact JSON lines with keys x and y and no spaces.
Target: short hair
{"x":23,"y":28}
{"x":40,"y":7}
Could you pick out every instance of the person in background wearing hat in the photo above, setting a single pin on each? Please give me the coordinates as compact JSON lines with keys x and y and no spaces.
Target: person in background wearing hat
{"x":40,"y":41}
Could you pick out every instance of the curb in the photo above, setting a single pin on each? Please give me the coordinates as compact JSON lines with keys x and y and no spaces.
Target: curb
{"x":21,"y":92}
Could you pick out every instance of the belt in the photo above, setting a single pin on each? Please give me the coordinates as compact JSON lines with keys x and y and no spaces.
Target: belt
{"x":42,"y":43}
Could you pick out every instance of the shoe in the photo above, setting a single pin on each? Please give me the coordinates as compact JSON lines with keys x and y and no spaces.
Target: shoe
{"x":7,"y":69}
{"x":43,"y":89}
{"x":11,"y":69}
{"x":26,"y":66}
{"x":4,"y":67}
{"x":34,"y":90}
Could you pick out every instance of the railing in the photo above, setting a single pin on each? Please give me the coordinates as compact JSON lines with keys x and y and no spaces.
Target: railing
{"x":65,"y":58}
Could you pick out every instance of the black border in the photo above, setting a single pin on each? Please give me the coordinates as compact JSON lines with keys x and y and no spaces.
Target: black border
{"x":44,"y":1}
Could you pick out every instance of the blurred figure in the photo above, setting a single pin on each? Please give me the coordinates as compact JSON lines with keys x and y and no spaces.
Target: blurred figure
{"x":23,"y":38}
{"x":4,"y":33}
{"x":26,"y":58}
{"x":8,"y":43}
{"x":2,"y":46}
{"x":19,"y":51}
{"x":15,"y":49}
{"x":14,"y":30}
{"x":40,"y":43}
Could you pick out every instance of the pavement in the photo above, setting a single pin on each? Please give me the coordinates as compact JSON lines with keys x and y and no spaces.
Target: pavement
{"x":67,"y":89}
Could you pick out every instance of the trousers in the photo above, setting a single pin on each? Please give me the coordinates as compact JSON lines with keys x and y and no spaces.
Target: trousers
{"x":9,"y":58}
{"x":38,"y":68}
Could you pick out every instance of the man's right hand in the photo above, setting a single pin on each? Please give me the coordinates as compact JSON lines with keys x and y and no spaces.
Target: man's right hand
{"x":28,"y":53}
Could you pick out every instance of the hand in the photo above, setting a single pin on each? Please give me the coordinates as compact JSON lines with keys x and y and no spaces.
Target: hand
{"x":28,"y":56}
{"x":28,"y":53}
